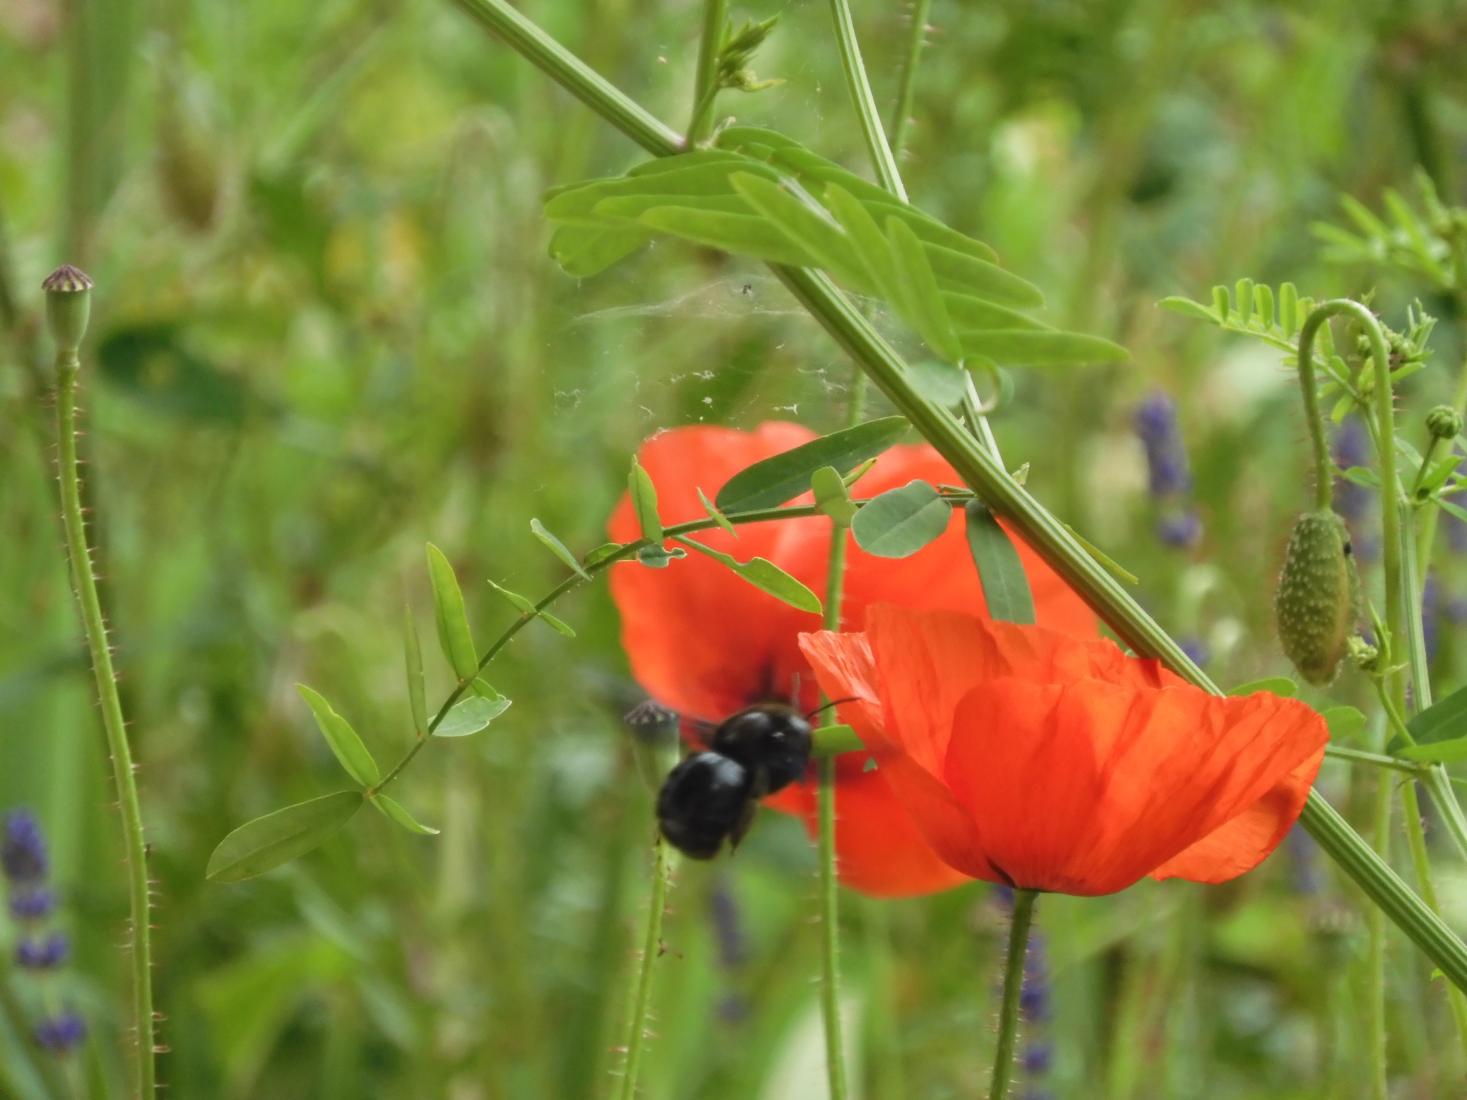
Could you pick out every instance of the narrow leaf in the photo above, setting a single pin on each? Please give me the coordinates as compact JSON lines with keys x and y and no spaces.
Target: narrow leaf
{"x":746,"y":234}
{"x":454,"y":635}
{"x":1278,"y":685}
{"x":343,"y":740}
{"x":899,"y":522}
{"x":525,"y":607}
{"x":922,"y":299}
{"x":413,"y":661}
{"x":395,"y":811}
{"x":557,"y":548}
{"x":644,"y":502}
{"x":824,"y":244}
{"x":1190,"y":308}
{"x":1343,"y":722}
{"x":764,"y":575}
{"x":1000,"y":572}
{"x":715,"y":515}
{"x":781,"y":478}
{"x":1444,"y":720}
{"x":1023,"y":347}
{"x":279,"y":837}
{"x":834,"y":739}
{"x":1436,"y":752}
{"x":471,"y":715}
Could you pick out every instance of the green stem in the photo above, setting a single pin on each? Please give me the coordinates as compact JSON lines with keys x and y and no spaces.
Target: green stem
{"x":1375,"y":975}
{"x":705,"y":85}
{"x":1324,"y":470}
{"x":642,"y":989}
{"x":1013,"y":985}
{"x":1050,"y":538}
{"x":835,"y":1060}
{"x":135,"y":850}
{"x":1427,"y":535}
{"x":865,"y":103}
{"x":901,"y":115}
{"x":1375,"y":759}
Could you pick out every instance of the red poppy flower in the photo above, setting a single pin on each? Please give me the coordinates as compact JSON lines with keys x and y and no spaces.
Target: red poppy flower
{"x":1051,"y":763}
{"x":704,"y":642}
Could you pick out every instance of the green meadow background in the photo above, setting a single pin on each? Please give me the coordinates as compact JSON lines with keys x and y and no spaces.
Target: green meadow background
{"x":326,"y":330}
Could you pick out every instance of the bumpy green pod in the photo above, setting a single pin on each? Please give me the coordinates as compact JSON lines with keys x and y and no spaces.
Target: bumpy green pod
{"x":1318,"y":597}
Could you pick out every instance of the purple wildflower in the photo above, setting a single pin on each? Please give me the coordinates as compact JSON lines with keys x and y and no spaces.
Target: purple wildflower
{"x":32,"y":903}
{"x":1355,"y":502}
{"x":23,"y":849}
{"x":1180,"y":529}
{"x":42,"y":953}
{"x":61,"y":1033}
{"x":1155,"y":422}
{"x":1195,"y":649}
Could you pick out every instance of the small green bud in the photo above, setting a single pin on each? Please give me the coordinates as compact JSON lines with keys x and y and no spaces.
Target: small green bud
{"x":68,"y":305}
{"x":1363,"y":655}
{"x":1318,"y":594}
{"x":1444,"y":422}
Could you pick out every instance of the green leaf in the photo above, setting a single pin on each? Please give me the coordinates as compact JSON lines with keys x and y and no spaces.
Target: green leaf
{"x":601,"y":553}
{"x":644,"y":502}
{"x":471,"y":715}
{"x":1343,"y":722}
{"x":870,"y":244}
{"x":658,"y":557}
{"x":834,"y":739}
{"x":454,"y":635}
{"x":1436,"y":752}
{"x":764,"y":575}
{"x":781,"y":478}
{"x":395,"y":811}
{"x":921,"y":299}
{"x":1444,"y":720}
{"x":343,"y":740}
{"x":941,"y":383}
{"x":748,"y":234}
{"x":1024,"y":347}
{"x":1190,"y":308}
{"x":1115,"y":568}
{"x":899,"y":522}
{"x":525,"y":607}
{"x":1000,"y":572}
{"x":1278,"y":685}
{"x":586,"y":250}
{"x":825,"y":245}
{"x":831,"y":495}
{"x":279,"y":837}
{"x":413,"y":660}
{"x":715,"y":515}
{"x":557,"y":548}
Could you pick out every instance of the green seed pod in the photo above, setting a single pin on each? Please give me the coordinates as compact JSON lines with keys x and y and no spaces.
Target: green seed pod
{"x":1318,"y":595}
{"x":68,"y":305}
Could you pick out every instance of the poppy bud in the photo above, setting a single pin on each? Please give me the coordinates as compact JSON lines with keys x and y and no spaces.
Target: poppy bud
{"x":1318,"y":592}
{"x":1444,"y":422}
{"x":68,"y":305}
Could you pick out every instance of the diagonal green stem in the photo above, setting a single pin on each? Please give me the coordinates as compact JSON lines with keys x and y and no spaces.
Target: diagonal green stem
{"x":641,"y":1004}
{"x":1046,"y":534}
{"x":89,"y":604}
{"x":865,"y":103}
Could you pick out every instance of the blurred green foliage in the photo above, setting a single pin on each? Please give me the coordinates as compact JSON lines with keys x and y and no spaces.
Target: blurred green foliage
{"x":326,"y":330}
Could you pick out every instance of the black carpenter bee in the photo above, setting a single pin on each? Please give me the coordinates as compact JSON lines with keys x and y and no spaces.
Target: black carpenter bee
{"x":711,"y":796}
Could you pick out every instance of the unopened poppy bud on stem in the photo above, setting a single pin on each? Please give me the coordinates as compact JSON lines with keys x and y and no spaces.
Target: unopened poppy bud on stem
{"x":1318,"y":595}
{"x":68,"y":305}
{"x":1444,"y":422}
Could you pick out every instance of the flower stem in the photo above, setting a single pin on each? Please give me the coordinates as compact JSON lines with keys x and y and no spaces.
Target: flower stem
{"x":642,"y":988}
{"x":1043,"y":531}
{"x":907,"y":82}
{"x":68,"y":365}
{"x":704,"y":85}
{"x":865,"y":103}
{"x":1324,"y":472}
{"x":1376,"y":954}
{"x":1013,"y":985}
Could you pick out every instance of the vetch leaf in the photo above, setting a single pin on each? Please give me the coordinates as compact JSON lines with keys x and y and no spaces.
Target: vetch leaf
{"x":557,"y":548}
{"x":1189,"y":308}
{"x":831,"y":495}
{"x":1444,"y":720}
{"x":343,"y":740}
{"x":525,"y":607}
{"x":825,"y":245}
{"x":396,"y":812}
{"x":644,"y":502}
{"x":941,"y":383}
{"x":782,"y":477}
{"x":1343,"y":722}
{"x":715,"y":515}
{"x":1436,"y":752}
{"x":921,"y":298}
{"x":899,"y":522}
{"x":257,"y":846}
{"x":413,"y":661}
{"x":764,"y":575}
{"x":834,"y":739}
{"x":469,"y":716}
{"x":1278,"y":685}
{"x":749,"y":234}
{"x":1027,"y":347}
{"x":1001,"y":573}
{"x":454,"y":635}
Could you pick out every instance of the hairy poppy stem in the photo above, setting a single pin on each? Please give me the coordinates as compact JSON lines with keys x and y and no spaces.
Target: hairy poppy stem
{"x":1049,"y":537}
{"x":641,"y":1002}
{"x":1013,"y":986}
{"x":67,"y":290}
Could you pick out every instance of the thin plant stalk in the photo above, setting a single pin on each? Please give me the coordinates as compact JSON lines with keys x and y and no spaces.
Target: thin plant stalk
{"x":84,"y":581}
{"x":1049,"y":537}
{"x":705,"y":89}
{"x":865,"y":103}
{"x":1013,"y":986}
{"x":901,"y":115}
{"x":641,"y":1002}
